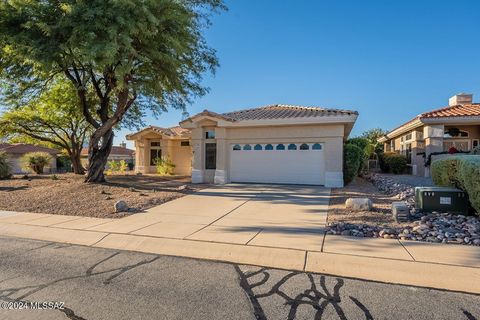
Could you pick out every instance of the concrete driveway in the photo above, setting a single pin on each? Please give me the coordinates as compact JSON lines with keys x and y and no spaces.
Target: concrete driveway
{"x":265,"y":215}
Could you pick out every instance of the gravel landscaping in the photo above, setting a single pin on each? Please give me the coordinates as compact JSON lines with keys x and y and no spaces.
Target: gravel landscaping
{"x":68,"y":194}
{"x":379,"y":223}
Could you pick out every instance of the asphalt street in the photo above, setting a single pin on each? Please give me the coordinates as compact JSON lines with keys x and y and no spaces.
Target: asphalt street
{"x":91,"y":283}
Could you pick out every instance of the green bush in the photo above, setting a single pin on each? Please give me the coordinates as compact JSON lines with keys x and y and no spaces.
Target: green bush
{"x":353,"y":158}
{"x":35,"y":161}
{"x":164,"y":166}
{"x":5,"y":172}
{"x":392,"y":162}
{"x":362,"y":143}
{"x":462,"y":172}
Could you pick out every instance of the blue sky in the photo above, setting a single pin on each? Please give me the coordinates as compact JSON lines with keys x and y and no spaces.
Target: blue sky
{"x":389,"y":60}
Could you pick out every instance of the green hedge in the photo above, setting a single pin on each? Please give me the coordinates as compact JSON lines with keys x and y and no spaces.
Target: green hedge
{"x":393,"y":162}
{"x":462,"y":172}
{"x":353,"y":158}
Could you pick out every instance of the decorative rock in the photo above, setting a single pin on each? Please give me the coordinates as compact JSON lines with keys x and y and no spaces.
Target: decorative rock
{"x":358,"y":204}
{"x":121,"y":206}
{"x":400,"y":211}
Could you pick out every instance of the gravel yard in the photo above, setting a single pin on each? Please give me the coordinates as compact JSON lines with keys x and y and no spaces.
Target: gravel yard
{"x":69,"y":195}
{"x":379,"y":223}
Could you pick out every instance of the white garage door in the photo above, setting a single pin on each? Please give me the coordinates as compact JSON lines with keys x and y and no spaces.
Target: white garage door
{"x":291,"y":163}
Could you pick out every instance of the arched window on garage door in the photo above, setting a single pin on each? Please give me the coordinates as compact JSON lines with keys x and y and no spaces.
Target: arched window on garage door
{"x":268,"y":147}
{"x":280,"y":147}
{"x":304,"y":146}
{"x":292,"y":146}
{"x":258,"y":147}
{"x":247,"y":147}
{"x":317,"y":146}
{"x":237,"y":147}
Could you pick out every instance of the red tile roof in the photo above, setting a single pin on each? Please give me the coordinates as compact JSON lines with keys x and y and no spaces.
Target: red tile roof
{"x":282,"y":111}
{"x":471,"y":110}
{"x":468,"y":110}
{"x":22,"y":148}
{"x":116,"y":151}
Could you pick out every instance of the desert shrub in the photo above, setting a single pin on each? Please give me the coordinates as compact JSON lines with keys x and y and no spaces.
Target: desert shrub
{"x":5,"y":171}
{"x":462,"y":172}
{"x":396,"y":163}
{"x":116,"y":167}
{"x":353,"y":158}
{"x":164,"y":166}
{"x":35,"y":161}
{"x":393,"y":162}
{"x":366,"y":147}
{"x":362,"y":143}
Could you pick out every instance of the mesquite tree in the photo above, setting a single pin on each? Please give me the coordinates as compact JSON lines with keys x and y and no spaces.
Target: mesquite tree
{"x":134,"y":56}
{"x":52,"y":117}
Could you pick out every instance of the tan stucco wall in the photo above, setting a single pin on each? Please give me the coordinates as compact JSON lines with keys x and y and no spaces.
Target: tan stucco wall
{"x":331,"y":136}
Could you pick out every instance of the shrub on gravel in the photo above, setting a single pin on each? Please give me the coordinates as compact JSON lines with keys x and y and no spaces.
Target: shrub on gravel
{"x":353,"y":157}
{"x":5,"y":172}
{"x":462,"y":172}
{"x":36,"y":161}
{"x":393,"y":162}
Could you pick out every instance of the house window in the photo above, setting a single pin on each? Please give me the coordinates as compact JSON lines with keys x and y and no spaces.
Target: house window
{"x":237,"y":147}
{"x":292,"y":146}
{"x":154,"y":155}
{"x":257,"y":147}
{"x":455,"y":133}
{"x":184,"y":143}
{"x":304,"y":146}
{"x":317,"y":146}
{"x":475,"y":143}
{"x":209,"y":134}
{"x":210,"y":156}
{"x":460,"y":145}
{"x":280,"y":147}
{"x":247,"y":147}
{"x":155,"y":144}
{"x":268,"y":147}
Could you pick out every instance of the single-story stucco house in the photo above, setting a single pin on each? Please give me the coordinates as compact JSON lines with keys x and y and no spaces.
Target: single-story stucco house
{"x":16,"y":151}
{"x":118,"y":153}
{"x":457,"y":125}
{"x":271,"y":144}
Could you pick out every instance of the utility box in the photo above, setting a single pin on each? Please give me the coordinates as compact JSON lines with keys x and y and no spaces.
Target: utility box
{"x":441,"y":199}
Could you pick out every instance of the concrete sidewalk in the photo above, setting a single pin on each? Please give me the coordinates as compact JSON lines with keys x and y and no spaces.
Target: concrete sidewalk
{"x":280,"y":227}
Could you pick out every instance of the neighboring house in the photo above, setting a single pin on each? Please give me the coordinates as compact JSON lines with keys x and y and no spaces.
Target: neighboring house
{"x":272,"y":144}
{"x":16,"y":151}
{"x":457,"y":125}
{"x":118,"y":153}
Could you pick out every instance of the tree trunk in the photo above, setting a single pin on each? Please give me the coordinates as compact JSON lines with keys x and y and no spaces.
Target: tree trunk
{"x":76,"y":162}
{"x":98,"y":151}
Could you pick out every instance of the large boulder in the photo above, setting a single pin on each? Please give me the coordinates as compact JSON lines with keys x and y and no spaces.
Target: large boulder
{"x":358,"y":204}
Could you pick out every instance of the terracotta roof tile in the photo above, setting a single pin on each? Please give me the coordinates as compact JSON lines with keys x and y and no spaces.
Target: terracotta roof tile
{"x":469,"y":110}
{"x":454,"y":111}
{"x":21,"y":148}
{"x":281,"y":111}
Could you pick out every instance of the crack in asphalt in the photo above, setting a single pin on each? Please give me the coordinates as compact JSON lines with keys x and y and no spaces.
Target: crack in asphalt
{"x":6,"y":294}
